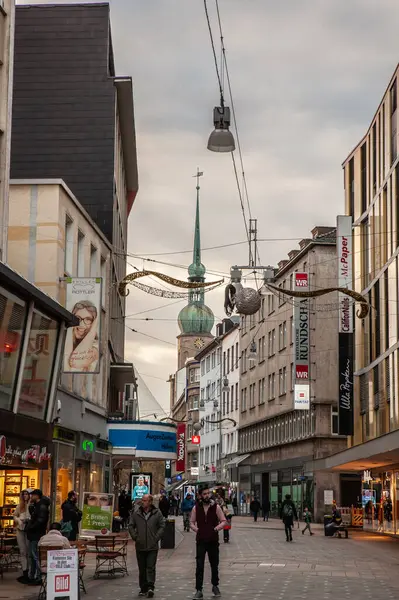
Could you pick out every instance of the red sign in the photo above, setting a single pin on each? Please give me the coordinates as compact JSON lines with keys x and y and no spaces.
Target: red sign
{"x":62,"y":583}
{"x":181,"y":447}
{"x":302,"y":371}
{"x":196,"y":439}
{"x":301,"y":280}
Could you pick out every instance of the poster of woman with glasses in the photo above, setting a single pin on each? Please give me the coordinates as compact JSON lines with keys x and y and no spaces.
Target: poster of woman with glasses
{"x":83,"y":299}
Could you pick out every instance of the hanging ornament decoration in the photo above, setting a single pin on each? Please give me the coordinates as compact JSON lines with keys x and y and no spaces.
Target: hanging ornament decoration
{"x":166,"y":278}
{"x":364,"y":305}
{"x":246,"y":301}
{"x":166,"y":293}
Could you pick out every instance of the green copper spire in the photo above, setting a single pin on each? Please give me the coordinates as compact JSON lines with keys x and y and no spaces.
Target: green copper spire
{"x":196,"y":270}
{"x":196,"y":317}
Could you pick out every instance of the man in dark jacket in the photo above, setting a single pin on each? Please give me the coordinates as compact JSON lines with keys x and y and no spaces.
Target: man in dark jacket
{"x":287,"y":514}
{"x":207,"y":519}
{"x":266,"y":509}
{"x":164,"y":505}
{"x":36,"y":529}
{"x":146,"y":528}
{"x":254,"y":507}
{"x":71,"y":514}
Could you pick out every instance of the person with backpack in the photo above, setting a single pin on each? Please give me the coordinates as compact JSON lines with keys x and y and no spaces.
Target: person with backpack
{"x":287,"y":514}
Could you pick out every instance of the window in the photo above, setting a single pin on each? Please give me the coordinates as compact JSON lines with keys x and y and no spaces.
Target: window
{"x":292,"y":376}
{"x":292,"y":332}
{"x":12,"y":322}
{"x":292,"y":281}
{"x":228,"y":361}
{"x":252,"y":388}
{"x":252,"y":321}
{"x":213,"y":390}
{"x":218,"y":388}
{"x":103,"y":269}
{"x":261,"y":391}
{"x":224,"y":404}
{"x":212,"y":454}
{"x":224,"y":363}
{"x":68,"y":257}
{"x":202,"y":393}
{"x":93,"y":261}
{"x":195,"y":402}
{"x":244,"y":400}
{"x":202,"y":456}
{"x":271,"y":341}
{"x":334,"y":420}
{"x":237,"y":356}
{"x":207,"y":455}
{"x":207,"y":424}
{"x":208,"y":364}
{"x":213,"y":359}
{"x":219,"y":355}
{"x":244,"y":361}
{"x":81,"y":254}
{"x":194,"y":375}
{"x":232,"y":398}
{"x":202,"y":367}
{"x":262,"y":348}
{"x":270,"y":303}
{"x":272,"y":384}
{"x":282,"y":385}
{"x":213,"y":422}
{"x":280,"y":337}
{"x":38,"y":366}
{"x":244,"y":324}
{"x":237,"y":398}
{"x":232,"y":358}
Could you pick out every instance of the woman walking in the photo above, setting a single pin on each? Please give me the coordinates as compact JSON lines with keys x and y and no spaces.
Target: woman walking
{"x":21,"y":517}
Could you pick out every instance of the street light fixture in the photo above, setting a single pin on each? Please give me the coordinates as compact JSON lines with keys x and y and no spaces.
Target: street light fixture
{"x":225,"y":386}
{"x":252,"y":354}
{"x":221,"y":138}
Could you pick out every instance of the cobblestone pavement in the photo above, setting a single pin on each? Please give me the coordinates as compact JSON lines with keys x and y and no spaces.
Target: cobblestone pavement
{"x":259,"y":563}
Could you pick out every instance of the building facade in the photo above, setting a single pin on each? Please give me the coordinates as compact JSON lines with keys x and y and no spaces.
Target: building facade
{"x":371,"y":176}
{"x":73,"y":119}
{"x":51,"y":238}
{"x":275,"y":439}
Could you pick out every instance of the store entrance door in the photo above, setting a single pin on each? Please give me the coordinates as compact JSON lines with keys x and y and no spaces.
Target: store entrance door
{"x":82,"y":478}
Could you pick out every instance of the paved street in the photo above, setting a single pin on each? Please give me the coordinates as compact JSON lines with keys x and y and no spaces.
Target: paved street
{"x":259,"y":563}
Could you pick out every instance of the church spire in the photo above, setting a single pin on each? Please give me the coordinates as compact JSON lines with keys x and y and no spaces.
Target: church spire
{"x":196,"y":270}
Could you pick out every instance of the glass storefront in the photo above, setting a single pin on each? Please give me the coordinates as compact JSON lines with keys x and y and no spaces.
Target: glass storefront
{"x":380,"y":502}
{"x":65,"y":475}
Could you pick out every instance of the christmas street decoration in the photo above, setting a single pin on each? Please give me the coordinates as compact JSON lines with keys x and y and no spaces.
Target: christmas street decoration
{"x":191,"y":285}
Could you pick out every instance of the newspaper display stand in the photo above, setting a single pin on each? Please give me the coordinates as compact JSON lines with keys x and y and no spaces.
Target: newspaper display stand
{"x":63,"y":574}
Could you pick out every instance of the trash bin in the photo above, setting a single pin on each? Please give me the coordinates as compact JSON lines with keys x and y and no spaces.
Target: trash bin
{"x":327,"y":521}
{"x":168,"y":538}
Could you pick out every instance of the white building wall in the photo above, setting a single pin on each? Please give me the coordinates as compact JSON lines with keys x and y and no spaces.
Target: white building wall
{"x":210,"y":384}
{"x":231,"y":401}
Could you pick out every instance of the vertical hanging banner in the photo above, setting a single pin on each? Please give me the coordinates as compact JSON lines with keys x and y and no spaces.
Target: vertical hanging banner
{"x":302,"y":345}
{"x":345,"y":327}
{"x":181,"y":448}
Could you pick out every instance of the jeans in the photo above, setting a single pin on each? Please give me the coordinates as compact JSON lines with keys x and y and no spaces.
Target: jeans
{"x":288,"y":530}
{"x":23,"y":546}
{"x":255,"y":516}
{"x":265,"y":515}
{"x":212,"y":548}
{"x":307,"y":527}
{"x":34,"y":562}
{"x":146,"y":561}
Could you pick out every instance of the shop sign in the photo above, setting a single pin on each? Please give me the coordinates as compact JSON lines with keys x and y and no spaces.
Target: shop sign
{"x":63,"y":435}
{"x":88,"y":446}
{"x":14,"y":455}
{"x":168,"y":469}
{"x":367,"y":477}
{"x":196,"y":439}
{"x":62,"y":574}
{"x":345,"y":327}
{"x":195,"y":471}
{"x":181,"y":447}
{"x":302,"y":346}
{"x":328,"y":497}
{"x":97,"y":513}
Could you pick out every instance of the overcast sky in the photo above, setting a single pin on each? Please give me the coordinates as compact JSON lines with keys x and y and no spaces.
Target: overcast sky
{"x":307,"y":77}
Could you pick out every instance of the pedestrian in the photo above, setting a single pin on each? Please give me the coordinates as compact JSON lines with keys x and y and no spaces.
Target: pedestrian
{"x":254,"y":507}
{"x":266,"y":509}
{"x":226,"y":529}
{"x":35,"y":530}
{"x":207,"y":519}
{"x":54,"y":538}
{"x":71,"y":517}
{"x":307,"y":517}
{"x":177,"y":505}
{"x":173,"y":504}
{"x":287,"y":514}
{"x":235,"y":504}
{"x":164,"y":505}
{"x":186,"y":507}
{"x":21,"y":518}
{"x":146,"y":527}
{"x":124,"y":507}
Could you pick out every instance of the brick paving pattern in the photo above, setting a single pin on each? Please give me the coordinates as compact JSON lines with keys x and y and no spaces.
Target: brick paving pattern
{"x":259,"y":563}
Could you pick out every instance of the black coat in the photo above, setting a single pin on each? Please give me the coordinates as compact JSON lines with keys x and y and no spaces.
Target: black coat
{"x":164,"y":506}
{"x":254,"y":507}
{"x":288,"y":520}
{"x":71,"y":514}
{"x":266,"y":506}
{"x":39,"y":516}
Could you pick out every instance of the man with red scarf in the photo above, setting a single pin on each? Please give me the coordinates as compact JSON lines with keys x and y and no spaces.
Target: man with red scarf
{"x":207,"y":519}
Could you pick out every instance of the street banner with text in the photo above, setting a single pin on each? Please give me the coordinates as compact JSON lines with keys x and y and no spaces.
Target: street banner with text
{"x":181,"y":447}
{"x":301,"y":345}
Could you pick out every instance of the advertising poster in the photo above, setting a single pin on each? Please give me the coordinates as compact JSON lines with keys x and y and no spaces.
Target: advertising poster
{"x":97,"y":513}
{"x":302,"y":345}
{"x":141,"y":484}
{"x":83,"y":299}
{"x":62,"y":574}
{"x":345,"y":327}
{"x":190,"y":489}
{"x":181,"y":447}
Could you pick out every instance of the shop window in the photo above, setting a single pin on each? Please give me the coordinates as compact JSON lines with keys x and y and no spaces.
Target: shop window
{"x":334,"y":420}
{"x":12,"y":322}
{"x":64,"y":475}
{"x":38,"y":367}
